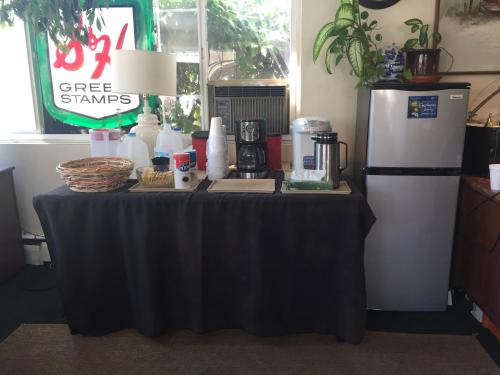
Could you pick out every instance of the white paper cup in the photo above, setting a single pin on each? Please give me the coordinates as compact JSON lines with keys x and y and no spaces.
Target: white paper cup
{"x":495,"y":177}
{"x":216,"y":144}
{"x":214,"y":121}
{"x":216,"y":128}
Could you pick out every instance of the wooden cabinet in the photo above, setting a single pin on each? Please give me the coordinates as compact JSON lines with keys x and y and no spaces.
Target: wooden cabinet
{"x":476,"y":258}
{"x":11,"y":246}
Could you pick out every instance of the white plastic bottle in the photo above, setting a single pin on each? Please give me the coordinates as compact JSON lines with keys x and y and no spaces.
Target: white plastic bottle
{"x":168,"y":141}
{"x":136,"y":150}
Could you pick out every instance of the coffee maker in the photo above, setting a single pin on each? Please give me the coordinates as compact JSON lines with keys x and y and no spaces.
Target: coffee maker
{"x":250,"y":138}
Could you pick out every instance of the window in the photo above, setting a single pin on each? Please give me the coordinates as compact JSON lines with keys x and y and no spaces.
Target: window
{"x":16,"y":96}
{"x":178,"y":34}
{"x":248,"y":39}
{"x":213,"y":40}
{"x":241,"y":39}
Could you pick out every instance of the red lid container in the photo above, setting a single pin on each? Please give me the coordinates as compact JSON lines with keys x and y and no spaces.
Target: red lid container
{"x":199,"y":140}
{"x":274,"y":152}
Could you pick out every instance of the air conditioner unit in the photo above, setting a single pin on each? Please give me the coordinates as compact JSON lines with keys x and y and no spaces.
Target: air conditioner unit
{"x":251,"y":99}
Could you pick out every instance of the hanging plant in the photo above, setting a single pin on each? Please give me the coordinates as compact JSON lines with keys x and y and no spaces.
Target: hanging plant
{"x":353,"y":40}
{"x":61,"y":19}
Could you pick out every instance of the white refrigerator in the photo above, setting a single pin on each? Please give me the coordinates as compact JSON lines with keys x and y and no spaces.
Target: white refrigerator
{"x":409,"y":143}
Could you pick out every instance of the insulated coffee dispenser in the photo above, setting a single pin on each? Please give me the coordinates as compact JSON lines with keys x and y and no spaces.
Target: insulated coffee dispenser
{"x":327,"y":157}
{"x":251,"y":148}
{"x":303,"y":147}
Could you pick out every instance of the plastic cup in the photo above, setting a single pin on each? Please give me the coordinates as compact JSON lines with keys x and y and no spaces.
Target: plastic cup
{"x":215,"y":121}
{"x":200,"y":145}
{"x":495,"y":177}
{"x":216,"y":144}
{"x":216,"y":128}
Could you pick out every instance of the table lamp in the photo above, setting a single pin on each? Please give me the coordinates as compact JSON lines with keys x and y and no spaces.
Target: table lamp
{"x":144,"y":73}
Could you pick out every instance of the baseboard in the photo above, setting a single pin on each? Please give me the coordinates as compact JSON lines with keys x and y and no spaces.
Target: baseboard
{"x":33,"y":255}
{"x":36,"y":254}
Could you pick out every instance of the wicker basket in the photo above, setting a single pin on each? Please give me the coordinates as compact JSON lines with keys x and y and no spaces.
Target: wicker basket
{"x":96,"y":174}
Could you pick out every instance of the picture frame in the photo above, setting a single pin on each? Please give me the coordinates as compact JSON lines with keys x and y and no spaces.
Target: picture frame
{"x":470,"y":30}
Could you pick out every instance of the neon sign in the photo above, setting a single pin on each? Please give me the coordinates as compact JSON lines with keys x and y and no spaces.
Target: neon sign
{"x":76,"y":84}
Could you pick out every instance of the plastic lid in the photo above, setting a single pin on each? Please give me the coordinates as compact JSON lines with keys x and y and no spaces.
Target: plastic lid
{"x":104,"y":134}
{"x":200,"y":134}
{"x":325,"y":138}
{"x":311,"y":125}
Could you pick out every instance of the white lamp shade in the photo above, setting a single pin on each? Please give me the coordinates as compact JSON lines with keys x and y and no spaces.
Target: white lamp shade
{"x":143,"y":72}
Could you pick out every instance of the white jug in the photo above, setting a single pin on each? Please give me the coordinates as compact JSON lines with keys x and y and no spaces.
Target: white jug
{"x":136,"y":150}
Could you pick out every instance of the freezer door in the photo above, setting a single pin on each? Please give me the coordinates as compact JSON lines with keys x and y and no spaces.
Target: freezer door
{"x":408,"y":250}
{"x":417,"y":129}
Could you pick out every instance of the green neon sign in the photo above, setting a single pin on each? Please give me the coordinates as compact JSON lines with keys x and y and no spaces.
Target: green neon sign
{"x":76,"y":85}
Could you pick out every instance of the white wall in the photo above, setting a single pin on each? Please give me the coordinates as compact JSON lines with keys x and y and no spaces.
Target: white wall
{"x":333,"y":96}
{"x":35,"y":162}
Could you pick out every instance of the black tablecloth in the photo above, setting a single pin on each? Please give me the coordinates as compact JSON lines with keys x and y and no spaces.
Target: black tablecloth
{"x":270,"y":264}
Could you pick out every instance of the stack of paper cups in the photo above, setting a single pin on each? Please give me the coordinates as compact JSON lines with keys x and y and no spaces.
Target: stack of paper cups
{"x":217,"y":158}
{"x":495,"y":177}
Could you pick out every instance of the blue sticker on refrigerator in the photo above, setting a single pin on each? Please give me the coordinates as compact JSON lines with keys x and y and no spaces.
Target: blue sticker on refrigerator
{"x":423,"y":106}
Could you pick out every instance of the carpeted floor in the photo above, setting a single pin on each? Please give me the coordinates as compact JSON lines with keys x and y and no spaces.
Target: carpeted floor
{"x":50,"y":349}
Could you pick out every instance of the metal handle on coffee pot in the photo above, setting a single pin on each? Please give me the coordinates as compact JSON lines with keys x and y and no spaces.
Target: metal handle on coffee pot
{"x":345,"y":167}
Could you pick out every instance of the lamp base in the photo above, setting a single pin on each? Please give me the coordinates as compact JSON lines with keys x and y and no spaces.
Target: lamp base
{"x":147,"y":128}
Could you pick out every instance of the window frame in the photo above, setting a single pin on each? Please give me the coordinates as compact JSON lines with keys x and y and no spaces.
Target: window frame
{"x":36,"y":87}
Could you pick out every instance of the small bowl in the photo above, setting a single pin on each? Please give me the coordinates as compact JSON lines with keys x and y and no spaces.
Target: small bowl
{"x":155,"y":176}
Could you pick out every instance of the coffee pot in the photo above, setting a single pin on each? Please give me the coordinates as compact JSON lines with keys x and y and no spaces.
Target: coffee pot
{"x":250,"y":136}
{"x":327,"y":157}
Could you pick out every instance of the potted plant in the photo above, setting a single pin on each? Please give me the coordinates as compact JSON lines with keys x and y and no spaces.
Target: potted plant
{"x":422,"y":56}
{"x":351,"y":36}
{"x":58,"y":18}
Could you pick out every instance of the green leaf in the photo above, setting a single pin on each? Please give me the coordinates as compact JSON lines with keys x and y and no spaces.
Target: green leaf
{"x":91,"y":18}
{"x":328,"y":57}
{"x":98,"y":24}
{"x":437,"y":38}
{"x":343,"y":33}
{"x":414,"y":28}
{"x":364,"y":15}
{"x":344,"y":16}
{"x":338,"y":59}
{"x":410,"y":43}
{"x":355,"y":56}
{"x":423,"y":38}
{"x":407,"y":74}
{"x":378,"y":37}
{"x":380,"y":58}
{"x":346,"y":2}
{"x":379,"y":71}
{"x":326,"y":32}
{"x":414,"y":21}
